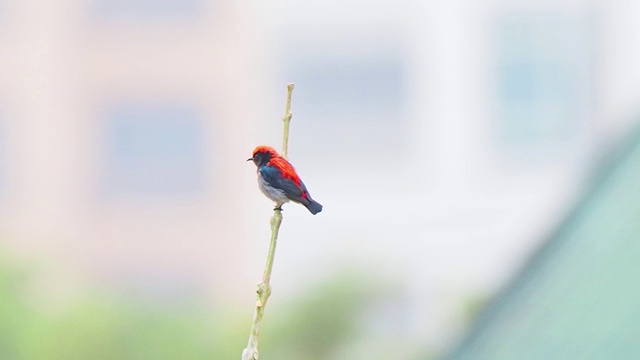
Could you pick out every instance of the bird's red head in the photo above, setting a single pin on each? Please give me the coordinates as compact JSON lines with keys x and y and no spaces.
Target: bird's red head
{"x":265,"y":149}
{"x":262,"y":154}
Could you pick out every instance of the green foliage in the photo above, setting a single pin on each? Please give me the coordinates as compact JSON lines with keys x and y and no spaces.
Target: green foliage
{"x":324,"y":318}
{"x":15,"y":315}
{"x":109,"y":327}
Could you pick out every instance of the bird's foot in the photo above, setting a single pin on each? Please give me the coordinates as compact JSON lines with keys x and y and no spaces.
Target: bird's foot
{"x":278,"y":208}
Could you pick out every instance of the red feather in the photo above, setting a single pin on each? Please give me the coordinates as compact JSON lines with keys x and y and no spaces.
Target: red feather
{"x":285,"y":167}
{"x":265,"y":149}
{"x":280,"y":163}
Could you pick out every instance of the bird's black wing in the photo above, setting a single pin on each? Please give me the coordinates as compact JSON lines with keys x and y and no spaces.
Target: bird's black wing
{"x":274,"y":178}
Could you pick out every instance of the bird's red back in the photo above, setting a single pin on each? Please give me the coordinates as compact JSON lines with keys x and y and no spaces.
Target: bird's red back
{"x":280,"y":163}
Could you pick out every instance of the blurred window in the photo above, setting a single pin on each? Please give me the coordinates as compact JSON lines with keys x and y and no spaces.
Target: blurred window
{"x":543,"y":68}
{"x":351,"y":101}
{"x":364,"y":85}
{"x":154,"y":149}
{"x":146,"y":9}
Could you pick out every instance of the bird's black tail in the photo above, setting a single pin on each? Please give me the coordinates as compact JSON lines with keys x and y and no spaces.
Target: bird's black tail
{"x":314,"y":207}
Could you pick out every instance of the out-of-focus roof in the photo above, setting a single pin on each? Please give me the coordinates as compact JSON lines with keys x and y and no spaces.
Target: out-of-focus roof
{"x":579,"y":296}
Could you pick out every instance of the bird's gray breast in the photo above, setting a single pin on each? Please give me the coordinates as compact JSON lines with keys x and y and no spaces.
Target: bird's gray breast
{"x":272,"y":193}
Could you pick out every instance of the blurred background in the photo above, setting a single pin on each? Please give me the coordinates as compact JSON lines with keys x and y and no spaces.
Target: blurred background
{"x":476,"y":160}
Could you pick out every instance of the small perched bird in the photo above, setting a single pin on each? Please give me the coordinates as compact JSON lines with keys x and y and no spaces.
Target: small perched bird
{"x":279,"y":181}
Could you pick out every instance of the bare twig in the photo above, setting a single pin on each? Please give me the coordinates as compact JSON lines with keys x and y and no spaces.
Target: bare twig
{"x":286,"y":119}
{"x":264,"y":288}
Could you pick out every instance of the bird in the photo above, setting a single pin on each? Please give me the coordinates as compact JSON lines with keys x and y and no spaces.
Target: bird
{"x":278,"y":180}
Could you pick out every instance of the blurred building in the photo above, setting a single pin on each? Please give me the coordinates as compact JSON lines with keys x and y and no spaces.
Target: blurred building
{"x":577,"y":297}
{"x":458,"y":134}
{"x":445,"y":139}
{"x":120,"y":122}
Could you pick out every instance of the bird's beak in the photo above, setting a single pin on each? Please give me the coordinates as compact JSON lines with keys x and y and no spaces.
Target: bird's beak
{"x":249,"y":159}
